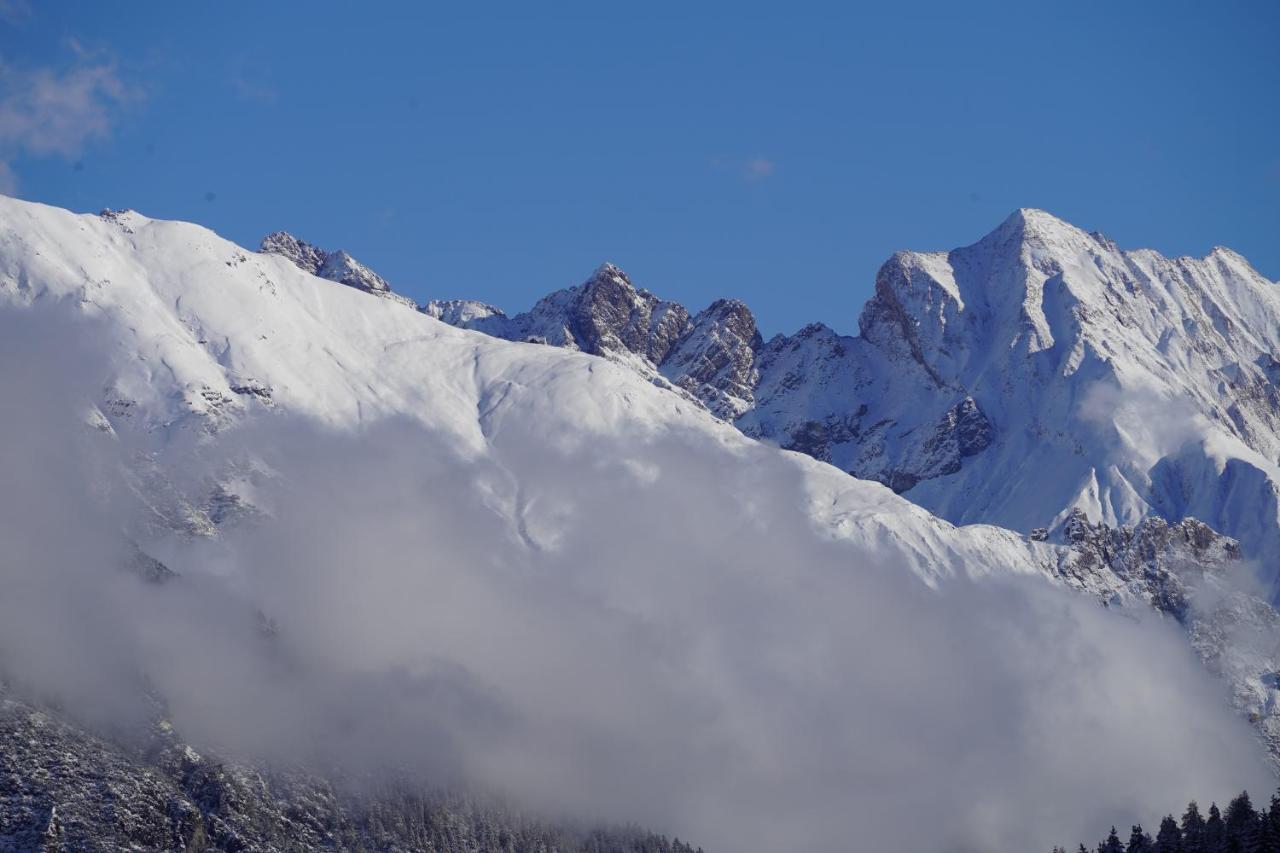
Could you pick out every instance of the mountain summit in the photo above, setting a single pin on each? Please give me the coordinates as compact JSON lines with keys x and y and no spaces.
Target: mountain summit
{"x":335,"y":266}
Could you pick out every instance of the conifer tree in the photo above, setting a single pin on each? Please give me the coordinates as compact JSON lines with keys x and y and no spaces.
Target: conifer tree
{"x":1214,"y":832}
{"x":1193,"y":840}
{"x":1241,"y":825}
{"x":1139,"y":841}
{"x":1169,"y":838}
{"x":1111,"y":844}
{"x":1269,"y":842}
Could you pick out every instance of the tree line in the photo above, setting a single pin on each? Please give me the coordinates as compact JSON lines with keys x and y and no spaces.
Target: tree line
{"x":1242,"y":828}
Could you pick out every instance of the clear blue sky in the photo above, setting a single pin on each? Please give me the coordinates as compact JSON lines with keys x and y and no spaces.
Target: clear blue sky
{"x":775,"y":153}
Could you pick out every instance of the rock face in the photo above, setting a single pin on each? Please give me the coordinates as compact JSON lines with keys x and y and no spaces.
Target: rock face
{"x":335,"y":266}
{"x":710,"y":356}
{"x":715,"y":359}
{"x":1196,"y":576}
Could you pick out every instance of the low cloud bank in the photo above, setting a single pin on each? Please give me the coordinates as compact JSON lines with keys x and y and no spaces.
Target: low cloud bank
{"x":650,"y":633}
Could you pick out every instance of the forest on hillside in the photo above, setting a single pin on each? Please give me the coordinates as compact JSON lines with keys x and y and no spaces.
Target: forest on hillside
{"x":1242,"y":828}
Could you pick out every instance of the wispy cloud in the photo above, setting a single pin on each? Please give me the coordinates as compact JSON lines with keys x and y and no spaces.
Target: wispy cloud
{"x":250,"y":89}
{"x":57,"y":112}
{"x":757,"y":169}
{"x":749,"y":169}
{"x":250,"y":79}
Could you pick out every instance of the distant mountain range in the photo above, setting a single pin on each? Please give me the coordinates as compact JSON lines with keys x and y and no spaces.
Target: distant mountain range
{"x":1039,"y":373}
{"x":1040,"y":403}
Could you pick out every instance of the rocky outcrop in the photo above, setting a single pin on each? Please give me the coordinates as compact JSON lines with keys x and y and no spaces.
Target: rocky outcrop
{"x":710,"y":357}
{"x":336,"y":266}
{"x":715,"y":358}
{"x":466,"y":313}
{"x":606,"y":315}
{"x":1197,"y":577}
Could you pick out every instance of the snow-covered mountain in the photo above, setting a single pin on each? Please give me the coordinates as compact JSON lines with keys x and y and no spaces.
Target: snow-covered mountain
{"x":959,"y":379}
{"x":709,"y":355}
{"x":1040,"y":371}
{"x":205,"y":333}
{"x":1041,"y":380}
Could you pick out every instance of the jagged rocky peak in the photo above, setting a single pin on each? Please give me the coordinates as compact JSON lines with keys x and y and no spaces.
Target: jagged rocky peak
{"x":341,"y":267}
{"x":710,"y":356}
{"x":605,"y":315}
{"x":336,"y":266}
{"x":715,"y":359}
{"x":608,"y":314}
{"x":303,"y":255}
{"x":461,"y":312}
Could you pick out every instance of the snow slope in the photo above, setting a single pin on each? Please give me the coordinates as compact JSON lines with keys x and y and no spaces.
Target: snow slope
{"x":203,"y":332}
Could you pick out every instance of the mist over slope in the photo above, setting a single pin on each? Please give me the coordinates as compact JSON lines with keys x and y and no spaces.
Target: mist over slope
{"x":400,"y":546}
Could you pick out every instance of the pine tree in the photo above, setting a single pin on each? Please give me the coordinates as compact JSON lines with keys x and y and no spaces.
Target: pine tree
{"x":1270,"y":841}
{"x":1112,"y":843}
{"x":1139,"y":841}
{"x":1214,"y":831}
{"x":1241,"y":825}
{"x":1193,"y":840}
{"x":1169,"y":838}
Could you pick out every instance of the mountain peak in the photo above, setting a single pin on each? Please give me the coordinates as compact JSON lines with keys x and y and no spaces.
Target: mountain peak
{"x":462,"y":312}
{"x":610,"y":272}
{"x":1031,"y":222}
{"x":338,"y":266}
{"x":303,"y":255}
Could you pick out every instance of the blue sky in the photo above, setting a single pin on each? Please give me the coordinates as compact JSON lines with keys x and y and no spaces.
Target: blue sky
{"x":774,"y":153}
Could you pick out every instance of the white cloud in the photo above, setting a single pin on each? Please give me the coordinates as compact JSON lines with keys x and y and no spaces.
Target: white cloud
{"x":757,"y":169}
{"x":750,"y":169}
{"x":47,"y":111}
